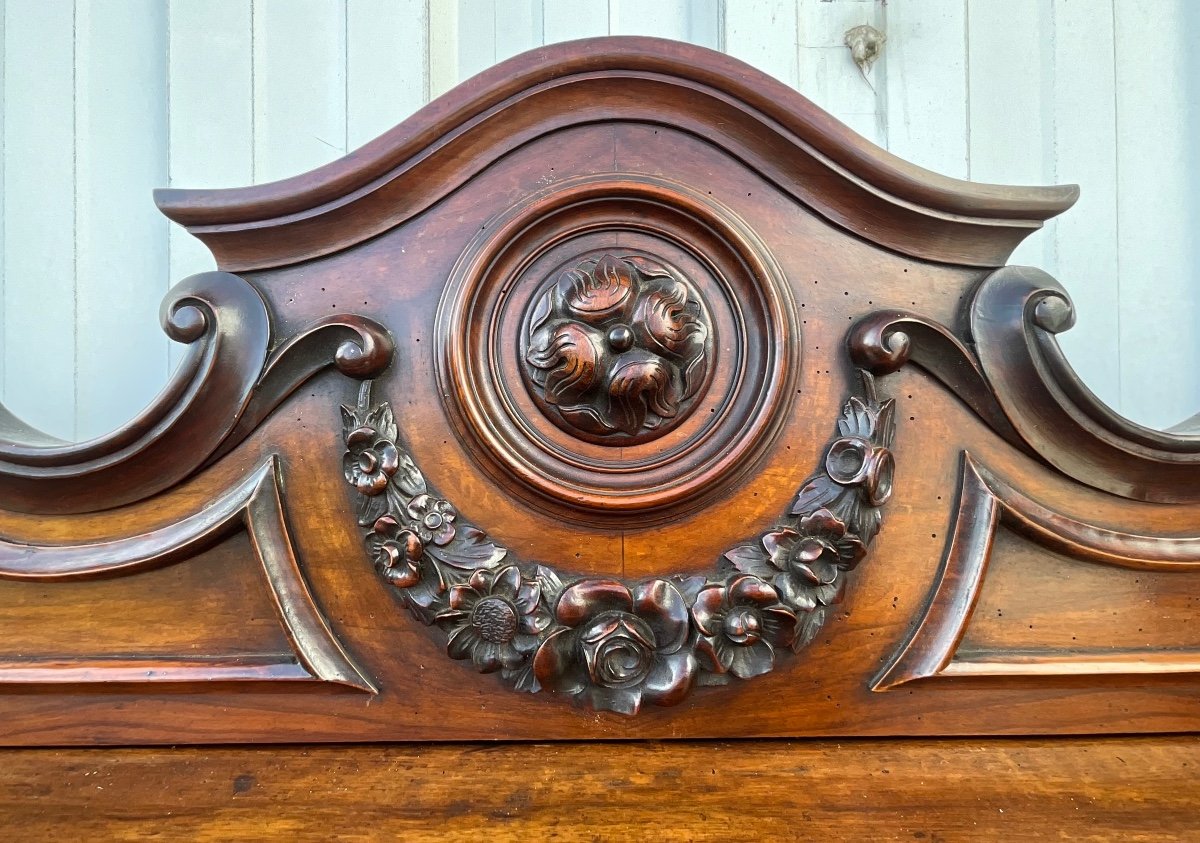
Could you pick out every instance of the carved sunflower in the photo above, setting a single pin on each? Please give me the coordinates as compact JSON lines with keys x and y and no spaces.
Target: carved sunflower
{"x":495,"y":620}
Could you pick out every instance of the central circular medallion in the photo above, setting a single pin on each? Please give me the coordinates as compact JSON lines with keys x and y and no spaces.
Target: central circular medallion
{"x":616,"y":349}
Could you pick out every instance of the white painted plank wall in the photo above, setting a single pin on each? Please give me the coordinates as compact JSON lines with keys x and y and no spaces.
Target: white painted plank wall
{"x":104,"y":99}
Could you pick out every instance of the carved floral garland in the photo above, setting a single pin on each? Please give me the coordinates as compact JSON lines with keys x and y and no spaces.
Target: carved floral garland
{"x":599,"y":640}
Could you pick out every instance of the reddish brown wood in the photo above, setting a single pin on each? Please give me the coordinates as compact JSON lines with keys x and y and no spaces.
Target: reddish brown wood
{"x":1136,"y":789}
{"x":735,"y":495}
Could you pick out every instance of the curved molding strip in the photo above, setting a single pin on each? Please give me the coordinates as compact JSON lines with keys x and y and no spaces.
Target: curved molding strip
{"x":985,"y":502}
{"x":1015,"y":378}
{"x":756,"y":119}
{"x":229,"y":382}
{"x":253,"y":505}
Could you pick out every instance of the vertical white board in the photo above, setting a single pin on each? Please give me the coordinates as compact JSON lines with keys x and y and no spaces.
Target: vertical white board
{"x":566,"y":20}
{"x":1084,"y":143}
{"x":39,"y":214}
{"x":387,"y":63}
{"x":923,"y":81}
{"x":121,"y":238}
{"x":1157,"y":91}
{"x":211,"y":137}
{"x":1010,"y":123}
{"x":763,"y":33}
{"x":828,"y":74}
{"x":695,"y":21}
{"x":299,"y":86}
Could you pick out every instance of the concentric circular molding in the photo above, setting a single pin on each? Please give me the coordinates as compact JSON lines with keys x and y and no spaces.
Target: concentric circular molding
{"x":735,"y":290}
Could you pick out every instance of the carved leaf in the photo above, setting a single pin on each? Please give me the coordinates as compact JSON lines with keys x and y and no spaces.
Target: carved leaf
{"x":596,"y":295}
{"x":820,"y":492}
{"x":751,"y":559}
{"x":408,"y":478}
{"x":638,"y":388}
{"x":551,"y":585}
{"x":542,"y":310}
{"x":469,"y":550}
{"x":382,"y":420}
{"x":568,"y":355}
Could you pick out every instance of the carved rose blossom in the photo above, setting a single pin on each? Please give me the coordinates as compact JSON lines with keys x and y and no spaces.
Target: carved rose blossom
{"x":495,"y":619}
{"x":617,"y":346}
{"x":619,"y":647}
{"x":606,"y":644}
{"x":433,"y":519}
{"x":742,"y":623}
{"x":809,"y":559}
{"x":398,"y":554}
{"x":370,"y":460}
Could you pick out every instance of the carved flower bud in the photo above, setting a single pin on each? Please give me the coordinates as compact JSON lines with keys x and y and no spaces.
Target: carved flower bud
{"x":855,"y":461}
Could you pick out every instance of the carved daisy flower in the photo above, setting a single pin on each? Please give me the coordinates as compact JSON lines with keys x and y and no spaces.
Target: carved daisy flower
{"x":495,"y":619}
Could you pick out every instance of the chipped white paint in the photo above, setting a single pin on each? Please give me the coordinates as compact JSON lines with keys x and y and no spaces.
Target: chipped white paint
{"x":102,"y":101}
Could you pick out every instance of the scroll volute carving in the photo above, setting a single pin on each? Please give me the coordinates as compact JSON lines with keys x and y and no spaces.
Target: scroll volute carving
{"x":605,"y":309}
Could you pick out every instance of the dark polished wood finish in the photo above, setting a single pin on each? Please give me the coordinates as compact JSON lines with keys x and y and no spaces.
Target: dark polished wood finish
{"x":590,"y":380}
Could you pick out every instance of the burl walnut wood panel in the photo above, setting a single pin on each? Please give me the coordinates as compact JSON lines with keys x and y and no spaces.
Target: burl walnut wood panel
{"x":619,"y":392}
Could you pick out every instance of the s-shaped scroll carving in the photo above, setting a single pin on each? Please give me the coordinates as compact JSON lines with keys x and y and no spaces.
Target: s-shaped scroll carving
{"x":230,"y":381}
{"x":1014,"y":376}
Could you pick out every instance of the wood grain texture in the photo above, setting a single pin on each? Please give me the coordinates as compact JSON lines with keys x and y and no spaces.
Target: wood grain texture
{"x":438,"y":238}
{"x":1137,"y":789}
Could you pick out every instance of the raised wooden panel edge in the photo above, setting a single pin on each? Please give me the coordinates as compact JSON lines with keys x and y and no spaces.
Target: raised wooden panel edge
{"x":809,"y":153}
{"x":985,"y":502}
{"x":255,"y":505}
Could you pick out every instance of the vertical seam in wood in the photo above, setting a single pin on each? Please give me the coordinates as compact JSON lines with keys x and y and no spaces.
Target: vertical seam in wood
{"x":721,"y":10}
{"x":253,"y":96}
{"x":426,"y":91}
{"x":167,"y":230}
{"x":3,"y":193}
{"x":345,"y":76}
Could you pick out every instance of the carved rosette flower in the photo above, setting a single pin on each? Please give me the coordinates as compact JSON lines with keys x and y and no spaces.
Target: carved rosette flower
{"x":602,"y":642}
{"x":433,"y":519}
{"x":398,"y":553}
{"x":617,"y":347}
{"x":810,"y":559}
{"x":617,"y":647}
{"x":741,"y":624}
{"x":494,"y":619}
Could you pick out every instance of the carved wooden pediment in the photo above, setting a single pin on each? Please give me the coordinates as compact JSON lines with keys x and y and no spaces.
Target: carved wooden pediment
{"x":619,"y":392}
